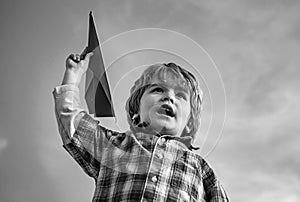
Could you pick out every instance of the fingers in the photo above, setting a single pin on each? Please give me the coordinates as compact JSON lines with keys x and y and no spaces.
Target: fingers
{"x":83,"y":54}
{"x":86,"y":61}
{"x":74,"y":57}
{"x":79,"y":60}
{"x":87,"y":57}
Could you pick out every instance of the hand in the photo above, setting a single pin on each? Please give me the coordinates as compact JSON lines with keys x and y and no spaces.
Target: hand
{"x":76,"y":67}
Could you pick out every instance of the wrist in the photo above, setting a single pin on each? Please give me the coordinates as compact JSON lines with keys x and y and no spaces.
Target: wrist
{"x":71,"y":77}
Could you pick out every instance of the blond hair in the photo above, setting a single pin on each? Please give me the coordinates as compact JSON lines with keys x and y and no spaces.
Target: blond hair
{"x":154,"y":71}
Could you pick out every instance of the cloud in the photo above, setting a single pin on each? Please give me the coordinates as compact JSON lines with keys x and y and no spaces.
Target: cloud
{"x":256,"y":51}
{"x":3,"y":144}
{"x":262,"y":150}
{"x":263,"y":187}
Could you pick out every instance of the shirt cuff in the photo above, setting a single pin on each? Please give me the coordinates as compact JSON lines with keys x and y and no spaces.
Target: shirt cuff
{"x":67,"y":109}
{"x":60,"y":90}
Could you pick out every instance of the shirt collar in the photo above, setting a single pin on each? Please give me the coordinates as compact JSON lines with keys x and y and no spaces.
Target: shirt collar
{"x":186,"y":140}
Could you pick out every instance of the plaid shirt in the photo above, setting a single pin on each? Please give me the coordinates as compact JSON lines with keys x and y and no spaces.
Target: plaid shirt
{"x":133,"y":166}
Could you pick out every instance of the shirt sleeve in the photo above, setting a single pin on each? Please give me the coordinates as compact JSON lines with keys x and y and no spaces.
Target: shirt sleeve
{"x":81,"y":134}
{"x":67,"y":110}
{"x":214,"y":191}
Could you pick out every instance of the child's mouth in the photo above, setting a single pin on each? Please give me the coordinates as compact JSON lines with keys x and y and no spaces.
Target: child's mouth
{"x":166,"y":110}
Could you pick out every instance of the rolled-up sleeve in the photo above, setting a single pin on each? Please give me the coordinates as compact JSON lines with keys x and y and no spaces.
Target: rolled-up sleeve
{"x":67,"y":110}
{"x":80,"y":133}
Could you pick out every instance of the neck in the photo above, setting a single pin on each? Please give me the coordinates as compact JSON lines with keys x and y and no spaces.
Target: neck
{"x":144,"y":127}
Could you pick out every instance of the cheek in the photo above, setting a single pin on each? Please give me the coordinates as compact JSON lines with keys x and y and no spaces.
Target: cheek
{"x":186,"y":111}
{"x":145,"y":104}
{"x":142,"y":105}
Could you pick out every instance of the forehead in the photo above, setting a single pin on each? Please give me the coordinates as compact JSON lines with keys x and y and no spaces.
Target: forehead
{"x":169,"y":78}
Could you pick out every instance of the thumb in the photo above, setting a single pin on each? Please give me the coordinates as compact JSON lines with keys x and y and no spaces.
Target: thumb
{"x":85,"y":61}
{"x":87,"y":57}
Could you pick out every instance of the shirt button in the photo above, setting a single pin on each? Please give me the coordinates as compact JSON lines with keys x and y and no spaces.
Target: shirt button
{"x":159,"y":155}
{"x":154,"y":179}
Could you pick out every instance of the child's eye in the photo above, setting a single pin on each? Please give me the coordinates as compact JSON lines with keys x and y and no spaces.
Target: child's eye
{"x":157,"y":89}
{"x":182,"y":95}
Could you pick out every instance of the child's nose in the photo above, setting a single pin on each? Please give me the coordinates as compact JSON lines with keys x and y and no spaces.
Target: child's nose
{"x":168,"y":96}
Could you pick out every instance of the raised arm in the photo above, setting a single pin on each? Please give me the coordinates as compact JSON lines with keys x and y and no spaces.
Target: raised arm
{"x":78,"y":130}
{"x":66,"y":96}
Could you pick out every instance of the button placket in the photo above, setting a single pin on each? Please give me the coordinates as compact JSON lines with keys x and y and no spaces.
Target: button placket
{"x":161,"y":146}
{"x":159,"y":156}
{"x":154,"y":179}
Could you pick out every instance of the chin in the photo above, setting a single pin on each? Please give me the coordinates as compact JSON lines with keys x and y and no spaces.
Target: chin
{"x":161,"y":128}
{"x":164,"y":124}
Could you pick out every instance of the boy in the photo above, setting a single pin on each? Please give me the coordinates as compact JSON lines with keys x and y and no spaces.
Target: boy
{"x":153,"y":161}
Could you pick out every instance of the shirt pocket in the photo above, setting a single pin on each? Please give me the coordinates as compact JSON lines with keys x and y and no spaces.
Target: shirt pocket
{"x":180,"y":181}
{"x":185,"y":178}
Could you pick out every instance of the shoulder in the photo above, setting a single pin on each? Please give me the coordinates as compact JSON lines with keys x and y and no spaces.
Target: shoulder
{"x":205,"y":170}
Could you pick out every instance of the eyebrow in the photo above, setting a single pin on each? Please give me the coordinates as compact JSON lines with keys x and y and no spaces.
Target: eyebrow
{"x":185,"y":90}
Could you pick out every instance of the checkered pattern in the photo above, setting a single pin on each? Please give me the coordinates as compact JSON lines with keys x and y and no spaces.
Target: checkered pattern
{"x":133,"y":167}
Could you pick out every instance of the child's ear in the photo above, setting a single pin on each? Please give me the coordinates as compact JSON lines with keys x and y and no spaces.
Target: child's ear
{"x":136,"y":119}
{"x":188,"y":127}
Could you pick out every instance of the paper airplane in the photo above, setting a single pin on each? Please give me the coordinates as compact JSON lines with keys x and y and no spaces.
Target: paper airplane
{"x":97,"y":93}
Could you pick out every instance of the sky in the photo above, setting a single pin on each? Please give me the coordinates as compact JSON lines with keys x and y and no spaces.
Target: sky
{"x":254,"y":45}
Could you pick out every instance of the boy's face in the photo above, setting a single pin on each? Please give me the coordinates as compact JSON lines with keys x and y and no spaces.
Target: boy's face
{"x":165,"y":105}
